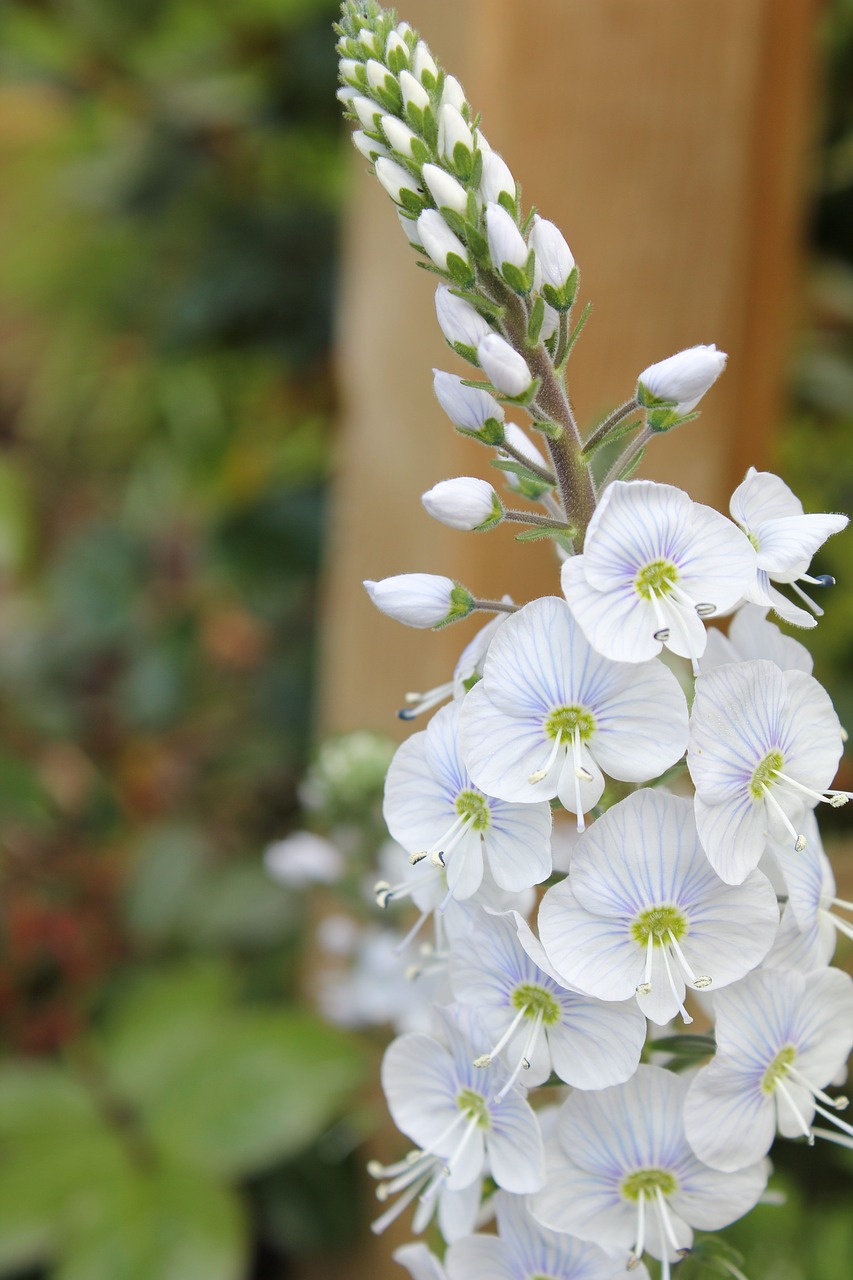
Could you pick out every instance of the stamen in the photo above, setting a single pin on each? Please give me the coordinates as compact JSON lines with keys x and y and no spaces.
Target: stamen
{"x":539,"y":775}
{"x":841,"y":902}
{"x":789,"y":1098}
{"x":384,"y":892}
{"x":831,"y":1136}
{"x":843,"y":926}
{"x":381,"y":1223}
{"x":838,"y":1104}
{"x":704,"y":609}
{"x":639,"y":1247}
{"x":662,"y":633}
{"x":579,"y":772}
{"x":400,"y":947}
{"x":703,"y":980}
{"x":799,"y":838}
{"x":473,"y":1122}
{"x":836,"y":798}
{"x":646,"y":985}
{"x":486,"y":1058}
{"x":829,"y":1115}
{"x":418,"y":703}
{"x":524,"y":1061}
{"x":822,"y":580}
{"x":815,"y":608}
{"x":686,"y":1018}
{"x":668,"y":1232}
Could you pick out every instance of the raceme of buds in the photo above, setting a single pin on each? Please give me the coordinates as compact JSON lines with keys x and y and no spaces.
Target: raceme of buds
{"x":681,"y":379}
{"x":463,"y":503}
{"x":420,"y":599}
{"x":505,"y":368}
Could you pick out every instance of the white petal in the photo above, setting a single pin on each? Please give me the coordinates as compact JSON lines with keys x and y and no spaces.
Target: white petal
{"x":762,"y":495}
{"x":420,"y":1262}
{"x":733,"y":834}
{"x":718,"y":562}
{"x":502,"y":751}
{"x":596,"y":1044}
{"x":729,"y":1121}
{"x":634,"y":524}
{"x":514,"y":1144}
{"x":641,"y":727}
{"x":517,"y":844}
{"x":753,"y":636}
{"x":616,"y":622}
{"x":480,"y":1256}
{"x":708,"y":1199}
{"x":594,"y":954}
{"x":457,"y":1210}
{"x":587,"y":1205}
{"x":420,"y":1086}
{"x":786,"y":545}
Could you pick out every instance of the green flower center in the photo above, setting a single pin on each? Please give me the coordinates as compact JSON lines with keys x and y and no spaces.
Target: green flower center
{"x":659,"y":576}
{"x":647,"y":1182}
{"x":473,"y":806}
{"x":566,"y":720}
{"x":473,"y":1105}
{"x":778,"y":1068}
{"x":765,"y":773}
{"x":657,"y":923}
{"x":536,"y":1000}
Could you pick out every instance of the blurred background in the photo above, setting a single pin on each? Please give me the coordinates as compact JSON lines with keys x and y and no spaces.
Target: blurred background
{"x":187,"y":487}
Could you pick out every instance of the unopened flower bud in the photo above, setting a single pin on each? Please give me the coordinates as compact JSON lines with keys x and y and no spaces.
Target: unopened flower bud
{"x":554,"y":260}
{"x":684,"y":378}
{"x":420,"y":599}
{"x":522,"y":444}
{"x":506,"y":243}
{"x":464,"y":503}
{"x":399,"y":135}
{"x":414,"y":94}
{"x":497,"y":179}
{"x":396,"y":50}
{"x":379,"y":77}
{"x":452,"y":95}
{"x":453,"y":131}
{"x":503,"y":366}
{"x":368,"y":111}
{"x":369,"y":147}
{"x":445,"y":190}
{"x":423,"y":62}
{"x":352,"y":71}
{"x":410,"y":229}
{"x":459,"y":321}
{"x":368,"y":39}
{"x":396,"y":180}
{"x":346,"y":95}
{"x":438,"y":240}
{"x":469,"y":408}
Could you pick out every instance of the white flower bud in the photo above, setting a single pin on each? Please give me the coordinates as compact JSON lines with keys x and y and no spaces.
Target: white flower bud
{"x":395,"y":179}
{"x":368,"y":39}
{"x":346,"y":96}
{"x":452,"y":129}
{"x":404,"y":29}
{"x":438,"y":240}
{"x":467,"y":407}
{"x":482,"y":142}
{"x":416,"y":599}
{"x":554,"y":260}
{"x":410,"y":229}
{"x":452,"y":95}
{"x":379,"y":77}
{"x":413,"y":91}
{"x":497,"y":178}
{"x":368,"y":147}
{"x":506,"y":243}
{"x":302,"y":859}
{"x":458,"y":320}
{"x":368,"y":111}
{"x":503,"y":366}
{"x":684,"y":378}
{"x":463,"y":503}
{"x":395,"y":44}
{"x":522,"y":444}
{"x":551,"y":322}
{"x":350,"y":71}
{"x":445,"y":190}
{"x":399,"y":135}
{"x":423,"y":62}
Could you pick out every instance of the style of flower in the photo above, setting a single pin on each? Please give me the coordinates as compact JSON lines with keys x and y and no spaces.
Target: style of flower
{"x":655,"y":564}
{"x":781,"y":1037}
{"x":810,"y":925}
{"x":622,"y":1171}
{"x":764,"y":745}
{"x":523,"y":1249}
{"x":535,"y":1021}
{"x":642,"y":911}
{"x":551,"y":714}
{"x":433,"y":809}
{"x":751,"y":635}
{"x":785,"y":539}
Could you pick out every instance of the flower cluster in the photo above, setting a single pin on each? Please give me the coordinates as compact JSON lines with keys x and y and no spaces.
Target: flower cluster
{"x":690,"y":776}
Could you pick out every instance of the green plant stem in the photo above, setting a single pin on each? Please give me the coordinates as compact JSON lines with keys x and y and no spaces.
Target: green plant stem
{"x":533,"y":517}
{"x":518,"y":456}
{"x":625,"y":459}
{"x":494,"y":606}
{"x":612,"y":420}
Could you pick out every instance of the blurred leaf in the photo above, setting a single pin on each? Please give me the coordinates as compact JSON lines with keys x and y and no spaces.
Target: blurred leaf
{"x":239,"y":906}
{"x":22,"y":796}
{"x":170,"y":863}
{"x":170,"y":1223}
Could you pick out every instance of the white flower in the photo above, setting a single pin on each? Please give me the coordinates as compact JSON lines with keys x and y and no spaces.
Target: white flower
{"x":446,"y":1105}
{"x":654,"y":565}
{"x":453,"y":132}
{"x":463,"y":503}
{"x":503,"y":366}
{"x":496,"y":180}
{"x":433,"y":809}
{"x":550,"y":714}
{"x":302,"y":859}
{"x":785,"y":539}
{"x":764,"y":744}
{"x":523,"y":1250}
{"x":781,"y":1037}
{"x":417,"y":599}
{"x":369,"y":148}
{"x":642,"y":911}
{"x":414,"y":94}
{"x":445,"y":190}
{"x":534,"y":1020}
{"x":467,"y":407}
{"x":399,"y":135}
{"x":438,"y":240}
{"x":622,"y":1171}
{"x":458,"y":320}
{"x":554,"y":260}
{"x":684,"y":378}
{"x":751,"y":636}
{"x":396,"y":180}
{"x":506,"y":243}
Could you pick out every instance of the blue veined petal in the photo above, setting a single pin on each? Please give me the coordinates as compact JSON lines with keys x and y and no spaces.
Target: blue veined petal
{"x":802,"y":949}
{"x":733,"y":834}
{"x":530,"y":665}
{"x":420,"y":1262}
{"x":762,"y":495}
{"x":587,"y":1205}
{"x":633,"y":525}
{"x":717,"y":562}
{"x":617,"y":623}
{"x":488,"y":963}
{"x":418,"y":807}
{"x":752,"y":636}
{"x":596,"y":1043}
{"x":580,"y":794}
{"x":480,"y":1256}
{"x":756,"y":1018}
{"x":517,"y":844}
{"x":812,"y":741}
{"x":824,"y":1025}
{"x":732,"y":928}
{"x":533,"y":1250}
{"x":501,"y":752}
{"x":764,"y":593}
{"x":457,"y":1210}
{"x":787,"y":544}
{"x":442,"y":750}
{"x":514,"y":1145}
{"x":591,"y":953}
{"x":465,"y":866}
{"x":641,"y":723}
{"x":709,"y":1199}
{"x":738,"y":717}
{"x":807,"y":875}
{"x":729,"y":1121}
{"x":421,"y":1085}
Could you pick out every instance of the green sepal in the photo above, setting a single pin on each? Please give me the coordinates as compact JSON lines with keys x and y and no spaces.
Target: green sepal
{"x":663,"y":420}
{"x":460,"y":270}
{"x":430,"y":128}
{"x":432,"y":268}
{"x":562,"y":299}
{"x":495,"y":518}
{"x":467,"y":353}
{"x":463,"y":163}
{"x":411,"y":202}
{"x":490,"y":310}
{"x":359,"y":80}
{"x":632,"y":465}
{"x":477,"y":172}
{"x":479,"y":246}
{"x":491,"y":433}
{"x":506,"y":201}
{"x":535,"y":322}
{"x":527,"y":397}
{"x":472,"y":213}
{"x":650,"y":401}
{"x":398,"y":60}
{"x":389,"y":95}
{"x":473,"y":679}
{"x":519,"y":280}
{"x":414,"y":118}
{"x":455,"y":221}
{"x":461,"y":604}
{"x":537,"y":534}
{"x":429,"y":82}
{"x":552,"y":430}
{"x":421,"y":154}
{"x":528,"y":221}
